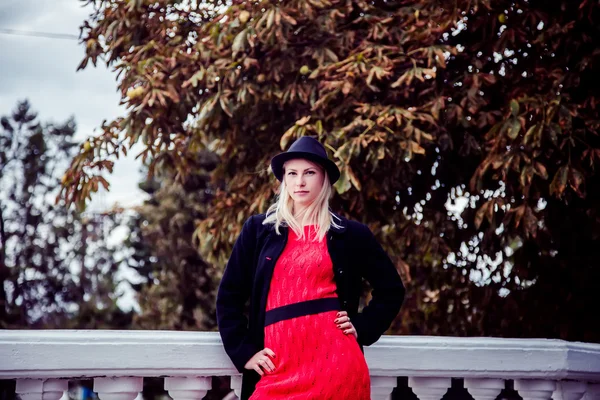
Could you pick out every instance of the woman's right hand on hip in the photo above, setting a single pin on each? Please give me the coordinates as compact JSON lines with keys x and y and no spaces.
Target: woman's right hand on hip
{"x":261,"y":361}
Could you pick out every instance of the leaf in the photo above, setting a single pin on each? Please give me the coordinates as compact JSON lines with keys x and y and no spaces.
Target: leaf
{"x":540,"y":169}
{"x":319,"y":127}
{"x":302,"y":121}
{"x":559,"y":183}
{"x":416,"y":148}
{"x":347,"y":87}
{"x":226,"y":105}
{"x":514,"y":108}
{"x":270,"y":18}
{"x":529,"y":135}
{"x":483,"y":210}
{"x":239,"y":43}
{"x":404,"y":269}
{"x":404,"y":78}
{"x":513,"y":128}
{"x":207,"y":109}
{"x":287,"y":136}
{"x":490,"y":211}
{"x":353,"y":179}
{"x":343,"y":184}
{"x":332,"y":56}
{"x":530,"y":223}
{"x":438,"y":105}
{"x":575,"y":181}
{"x":198,"y":76}
{"x":519,"y":211}
{"x":287,"y":18}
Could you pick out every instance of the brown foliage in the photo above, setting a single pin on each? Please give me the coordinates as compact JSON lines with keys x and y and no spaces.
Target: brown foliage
{"x":420,"y":103}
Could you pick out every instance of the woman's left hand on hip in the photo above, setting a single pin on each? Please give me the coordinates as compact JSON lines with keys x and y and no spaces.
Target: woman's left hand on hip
{"x":343,"y":322}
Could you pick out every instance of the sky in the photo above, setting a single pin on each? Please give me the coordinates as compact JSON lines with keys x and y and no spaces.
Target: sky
{"x":43,"y":71}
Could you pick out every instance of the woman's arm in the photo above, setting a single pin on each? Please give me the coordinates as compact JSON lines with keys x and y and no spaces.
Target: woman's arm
{"x":387,"y":289}
{"x":234,"y":291}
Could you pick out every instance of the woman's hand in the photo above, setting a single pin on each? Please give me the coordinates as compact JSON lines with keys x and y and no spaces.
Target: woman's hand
{"x":343,"y":322}
{"x":261,"y":361}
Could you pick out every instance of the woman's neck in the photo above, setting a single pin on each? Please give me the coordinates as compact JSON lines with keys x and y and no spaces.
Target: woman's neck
{"x":298,"y":211}
{"x":300,"y":215}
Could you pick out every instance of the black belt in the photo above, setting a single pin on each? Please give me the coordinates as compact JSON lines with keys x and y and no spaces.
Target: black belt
{"x":301,"y":308}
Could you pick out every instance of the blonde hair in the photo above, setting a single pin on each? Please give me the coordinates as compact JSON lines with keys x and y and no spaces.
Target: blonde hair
{"x":317,"y":213}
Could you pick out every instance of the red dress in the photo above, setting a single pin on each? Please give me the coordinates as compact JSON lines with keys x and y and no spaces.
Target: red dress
{"x":314,"y":358}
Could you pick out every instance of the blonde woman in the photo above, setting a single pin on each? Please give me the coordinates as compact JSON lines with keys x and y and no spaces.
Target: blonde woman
{"x":301,"y":266}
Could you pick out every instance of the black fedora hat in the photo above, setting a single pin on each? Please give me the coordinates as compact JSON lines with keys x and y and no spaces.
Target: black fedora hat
{"x":307,"y":148}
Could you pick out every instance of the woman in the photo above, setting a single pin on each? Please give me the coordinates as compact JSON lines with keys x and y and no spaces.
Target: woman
{"x":301,"y":267}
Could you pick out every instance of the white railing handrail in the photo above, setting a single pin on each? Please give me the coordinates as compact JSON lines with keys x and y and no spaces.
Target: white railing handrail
{"x":94,"y":353}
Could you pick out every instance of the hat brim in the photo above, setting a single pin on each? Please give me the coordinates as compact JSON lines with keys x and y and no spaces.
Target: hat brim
{"x":277,"y":164}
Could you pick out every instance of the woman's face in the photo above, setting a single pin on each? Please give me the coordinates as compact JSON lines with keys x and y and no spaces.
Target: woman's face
{"x":303,"y":181}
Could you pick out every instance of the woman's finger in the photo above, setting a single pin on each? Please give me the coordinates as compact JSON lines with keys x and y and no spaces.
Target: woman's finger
{"x":342,"y":319}
{"x":263,"y":364}
{"x":342,"y":314}
{"x":350,"y":331}
{"x":257,"y":369}
{"x":345,"y":325}
{"x":270,"y":365}
{"x":266,"y":364}
{"x":269,"y":352}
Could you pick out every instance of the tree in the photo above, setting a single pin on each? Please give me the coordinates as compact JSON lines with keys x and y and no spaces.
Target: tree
{"x":422,"y":105}
{"x":56,"y":269}
{"x":178,"y":287}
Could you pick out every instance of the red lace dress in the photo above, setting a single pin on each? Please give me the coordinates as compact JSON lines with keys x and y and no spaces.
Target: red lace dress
{"x":314,"y":358}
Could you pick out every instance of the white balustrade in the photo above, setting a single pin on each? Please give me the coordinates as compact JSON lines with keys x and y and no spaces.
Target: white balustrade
{"x":429,"y":388}
{"x":40,"y":389}
{"x":236,"y":384}
{"x":569,"y":390}
{"x":43,"y":361}
{"x":592,"y":391}
{"x":187,"y":388}
{"x":118,"y":388}
{"x":382,"y":387}
{"x":535,"y":389}
{"x":484,"y":388}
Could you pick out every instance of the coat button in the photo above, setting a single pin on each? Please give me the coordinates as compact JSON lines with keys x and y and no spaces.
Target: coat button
{"x":344,"y":303}
{"x":341,"y":271}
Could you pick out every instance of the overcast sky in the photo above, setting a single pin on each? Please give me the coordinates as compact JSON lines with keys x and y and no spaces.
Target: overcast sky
{"x":43,"y":70}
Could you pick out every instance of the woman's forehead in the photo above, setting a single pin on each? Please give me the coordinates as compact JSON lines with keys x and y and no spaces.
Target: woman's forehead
{"x":300,"y":163}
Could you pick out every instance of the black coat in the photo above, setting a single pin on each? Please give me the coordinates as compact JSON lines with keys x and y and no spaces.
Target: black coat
{"x":355,"y":254}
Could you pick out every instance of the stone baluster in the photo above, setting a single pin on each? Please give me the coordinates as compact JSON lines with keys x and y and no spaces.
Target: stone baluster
{"x":429,"y":388}
{"x":41,"y":389}
{"x":188,"y":388}
{"x":484,"y":388}
{"x":569,"y":390}
{"x":535,"y":389}
{"x":382,"y":387}
{"x":236,"y":385}
{"x":122,"y":388}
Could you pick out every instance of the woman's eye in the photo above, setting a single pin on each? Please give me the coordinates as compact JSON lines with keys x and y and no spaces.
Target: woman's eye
{"x":310,"y":172}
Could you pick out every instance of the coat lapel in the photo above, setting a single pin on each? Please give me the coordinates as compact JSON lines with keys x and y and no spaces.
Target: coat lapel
{"x":271,"y":251}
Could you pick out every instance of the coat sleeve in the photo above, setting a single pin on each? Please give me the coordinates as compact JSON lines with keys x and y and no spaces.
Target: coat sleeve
{"x":234,"y":291}
{"x":387,"y":290}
